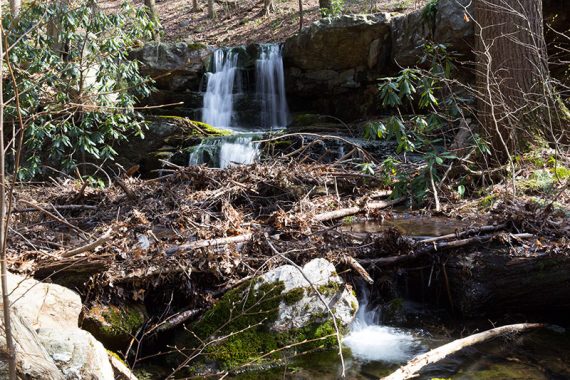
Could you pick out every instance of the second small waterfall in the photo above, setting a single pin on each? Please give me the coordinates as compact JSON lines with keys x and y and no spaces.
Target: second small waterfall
{"x":270,"y":86}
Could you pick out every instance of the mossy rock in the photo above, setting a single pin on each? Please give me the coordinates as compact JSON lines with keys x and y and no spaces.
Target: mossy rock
{"x":114,"y":326}
{"x":242,"y":321}
{"x":195,"y":128}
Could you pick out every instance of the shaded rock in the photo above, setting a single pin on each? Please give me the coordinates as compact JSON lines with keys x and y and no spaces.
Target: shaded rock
{"x":450,"y":26}
{"x":339,"y":43}
{"x":409,"y":33}
{"x":453,"y":28}
{"x":175,"y":66}
{"x":114,"y":326}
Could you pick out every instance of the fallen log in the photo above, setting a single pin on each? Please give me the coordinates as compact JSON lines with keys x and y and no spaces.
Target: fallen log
{"x":208,"y":243}
{"x":88,"y":247}
{"x":411,"y":369}
{"x":391,"y":260}
{"x":351,"y":261}
{"x":337,"y":214}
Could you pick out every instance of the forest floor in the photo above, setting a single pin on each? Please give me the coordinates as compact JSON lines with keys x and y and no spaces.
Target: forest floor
{"x":242,"y":22}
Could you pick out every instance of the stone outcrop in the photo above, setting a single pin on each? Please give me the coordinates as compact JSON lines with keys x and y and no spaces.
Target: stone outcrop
{"x":271,"y":312}
{"x":49,"y":345}
{"x":175,"y":66}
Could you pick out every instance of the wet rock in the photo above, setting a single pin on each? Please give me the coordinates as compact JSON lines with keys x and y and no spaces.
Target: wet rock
{"x":49,"y":343}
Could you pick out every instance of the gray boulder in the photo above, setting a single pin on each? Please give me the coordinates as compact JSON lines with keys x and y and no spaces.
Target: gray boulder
{"x":323,"y":277}
{"x":49,"y":345}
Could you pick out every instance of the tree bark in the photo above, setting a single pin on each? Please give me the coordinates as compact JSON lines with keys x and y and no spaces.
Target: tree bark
{"x":195,"y":7}
{"x":151,"y":5}
{"x":211,"y":12}
{"x":15,"y":6}
{"x":300,"y":15}
{"x":3,"y":229}
{"x":511,"y":72}
{"x":268,"y":7}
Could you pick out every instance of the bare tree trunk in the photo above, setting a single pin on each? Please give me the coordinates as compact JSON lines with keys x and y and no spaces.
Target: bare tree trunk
{"x":325,"y":7}
{"x":268,"y":7}
{"x":3,"y":222}
{"x":195,"y":7}
{"x":511,"y":72}
{"x":151,"y":5}
{"x":15,"y":6}
{"x":211,"y":12}
{"x":300,"y":15}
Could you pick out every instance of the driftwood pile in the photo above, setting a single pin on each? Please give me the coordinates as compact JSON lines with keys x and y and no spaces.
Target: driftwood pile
{"x":213,"y":228}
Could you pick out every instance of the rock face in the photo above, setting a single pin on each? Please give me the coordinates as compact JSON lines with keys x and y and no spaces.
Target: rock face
{"x":322,"y":274}
{"x":340,"y":43}
{"x":332,"y":61}
{"x":270,"y":312}
{"x":334,"y":65}
{"x":176,"y":66}
{"x":49,"y":343}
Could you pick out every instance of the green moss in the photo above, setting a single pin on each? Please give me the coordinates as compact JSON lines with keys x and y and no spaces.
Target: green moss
{"x":293,"y":296}
{"x":561,"y":172}
{"x":539,"y":181}
{"x":488,"y":201}
{"x":121,"y":320}
{"x":196,"y":128}
{"x":329,"y":289}
{"x":241,"y":320}
{"x":193,"y":46}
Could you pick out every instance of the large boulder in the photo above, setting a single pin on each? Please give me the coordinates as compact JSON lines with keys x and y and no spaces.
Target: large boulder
{"x":49,"y":345}
{"x":340,"y":43}
{"x":176,"y":66}
{"x":448,"y":25}
{"x":274,"y":311}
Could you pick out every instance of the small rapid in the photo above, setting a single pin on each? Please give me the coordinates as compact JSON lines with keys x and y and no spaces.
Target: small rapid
{"x":370,"y":342}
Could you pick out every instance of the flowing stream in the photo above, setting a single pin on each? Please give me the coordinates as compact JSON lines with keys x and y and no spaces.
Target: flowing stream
{"x":223,"y":86}
{"x":368,"y":341}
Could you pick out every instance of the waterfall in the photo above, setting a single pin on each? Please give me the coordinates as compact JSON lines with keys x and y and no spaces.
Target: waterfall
{"x":369,"y":341}
{"x":218,"y":99}
{"x":224,"y":151}
{"x":270,"y":86}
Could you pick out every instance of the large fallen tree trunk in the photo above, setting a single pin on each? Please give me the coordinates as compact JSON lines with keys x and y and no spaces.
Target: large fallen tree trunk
{"x":414,"y":366}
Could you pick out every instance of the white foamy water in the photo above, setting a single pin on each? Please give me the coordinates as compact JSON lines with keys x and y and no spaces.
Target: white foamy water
{"x":369,"y":341}
{"x":239,"y":151}
{"x":218,"y":100}
{"x":270,"y":87}
{"x":224,"y":151}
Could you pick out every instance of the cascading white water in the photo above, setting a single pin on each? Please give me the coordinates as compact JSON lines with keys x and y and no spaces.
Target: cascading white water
{"x":270,"y":86}
{"x":369,"y":341}
{"x":218,"y":100}
{"x":225,"y":151}
{"x":223,"y":83}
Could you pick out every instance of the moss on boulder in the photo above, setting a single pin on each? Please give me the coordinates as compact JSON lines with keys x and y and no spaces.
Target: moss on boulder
{"x":266,"y":318}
